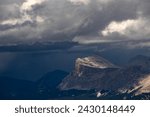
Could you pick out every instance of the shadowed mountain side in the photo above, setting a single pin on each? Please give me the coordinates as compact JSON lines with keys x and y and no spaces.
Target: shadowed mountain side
{"x":11,"y":88}
{"x":45,"y":88}
{"x":52,"y":79}
{"x":47,"y":85}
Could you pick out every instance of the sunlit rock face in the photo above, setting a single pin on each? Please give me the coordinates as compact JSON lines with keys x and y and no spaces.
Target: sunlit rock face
{"x":91,"y":62}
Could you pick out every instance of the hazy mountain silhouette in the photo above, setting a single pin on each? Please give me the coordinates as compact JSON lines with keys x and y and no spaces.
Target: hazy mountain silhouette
{"x":11,"y":88}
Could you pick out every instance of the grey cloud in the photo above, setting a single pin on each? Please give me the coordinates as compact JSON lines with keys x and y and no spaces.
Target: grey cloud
{"x":132,"y":28}
{"x":61,"y":20}
{"x":98,"y":19}
{"x":4,"y":2}
{"x":144,"y":7}
{"x":9,"y":11}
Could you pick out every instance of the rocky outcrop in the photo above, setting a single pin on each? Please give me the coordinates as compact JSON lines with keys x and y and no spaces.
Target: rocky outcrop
{"x":92,"y":62}
{"x":99,"y":74}
{"x":88,"y":74}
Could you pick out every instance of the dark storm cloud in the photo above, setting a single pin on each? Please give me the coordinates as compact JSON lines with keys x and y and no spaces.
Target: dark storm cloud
{"x":99,"y":18}
{"x":85,"y":21}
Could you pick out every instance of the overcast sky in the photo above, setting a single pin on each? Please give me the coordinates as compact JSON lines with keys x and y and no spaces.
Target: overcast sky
{"x":114,"y":29}
{"x":83,"y":21}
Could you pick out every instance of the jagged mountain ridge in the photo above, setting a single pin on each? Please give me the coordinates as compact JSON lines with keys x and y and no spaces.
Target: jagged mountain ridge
{"x":133,"y":77}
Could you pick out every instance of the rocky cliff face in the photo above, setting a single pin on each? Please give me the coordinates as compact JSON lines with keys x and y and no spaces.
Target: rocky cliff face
{"x":99,"y":74}
{"x":92,"y":62}
{"x":88,"y":74}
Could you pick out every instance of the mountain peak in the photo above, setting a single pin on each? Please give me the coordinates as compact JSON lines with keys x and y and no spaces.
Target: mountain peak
{"x":95,"y":62}
{"x":92,"y":62}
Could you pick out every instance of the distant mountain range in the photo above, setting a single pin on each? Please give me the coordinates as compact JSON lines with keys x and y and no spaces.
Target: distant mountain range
{"x":45,"y":88}
{"x":36,"y":46}
{"x":93,"y":78}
